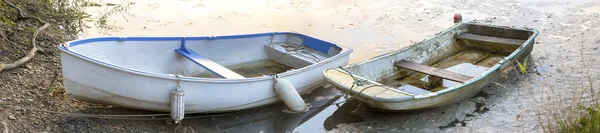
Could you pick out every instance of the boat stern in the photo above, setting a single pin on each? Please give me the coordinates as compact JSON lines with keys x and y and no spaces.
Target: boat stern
{"x":358,"y":87}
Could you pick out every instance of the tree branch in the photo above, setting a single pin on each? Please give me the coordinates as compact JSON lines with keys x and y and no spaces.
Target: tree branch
{"x":30,"y":55}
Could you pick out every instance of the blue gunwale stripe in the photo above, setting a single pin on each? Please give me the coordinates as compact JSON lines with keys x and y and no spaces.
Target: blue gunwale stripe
{"x":65,"y":47}
{"x":317,"y":44}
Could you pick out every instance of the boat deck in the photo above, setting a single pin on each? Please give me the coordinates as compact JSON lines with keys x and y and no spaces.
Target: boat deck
{"x":283,"y":57}
{"x":367,"y":88}
{"x":464,"y":63}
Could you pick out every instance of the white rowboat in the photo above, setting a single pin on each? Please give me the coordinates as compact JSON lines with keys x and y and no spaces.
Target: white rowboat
{"x":218,"y":73}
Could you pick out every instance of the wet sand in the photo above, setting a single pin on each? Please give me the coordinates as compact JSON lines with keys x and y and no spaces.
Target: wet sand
{"x":567,"y":33}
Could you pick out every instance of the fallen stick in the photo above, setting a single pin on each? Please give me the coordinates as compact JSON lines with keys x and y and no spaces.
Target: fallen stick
{"x":27,"y":57}
{"x":31,"y":53}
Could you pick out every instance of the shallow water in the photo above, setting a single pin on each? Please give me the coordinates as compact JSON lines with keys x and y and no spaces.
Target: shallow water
{"x":213,"y":18}
{"x":372,"y":28}
{"x":368,"y":37}
{"x":327,"y":109}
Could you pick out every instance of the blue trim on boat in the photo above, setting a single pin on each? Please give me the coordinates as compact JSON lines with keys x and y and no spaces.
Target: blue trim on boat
{"x":206,"y":63}
{"x":183,"y":46}
{"x":314,"y":43}
{"x":65,"y":48}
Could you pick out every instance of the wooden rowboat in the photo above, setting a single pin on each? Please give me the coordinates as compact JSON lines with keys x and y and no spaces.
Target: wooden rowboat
{"x":216,"y":73}
{"x":450,"y":67}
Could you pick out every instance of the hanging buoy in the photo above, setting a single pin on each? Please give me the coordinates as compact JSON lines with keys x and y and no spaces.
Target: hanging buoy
{"x":177,"y":103}
{"x":290,"y":96}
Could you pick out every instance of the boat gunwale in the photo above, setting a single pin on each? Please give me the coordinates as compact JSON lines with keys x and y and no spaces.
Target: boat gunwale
{"x":499,"y":65}
{"x":65,"y":47}
{"x":409,"y":96}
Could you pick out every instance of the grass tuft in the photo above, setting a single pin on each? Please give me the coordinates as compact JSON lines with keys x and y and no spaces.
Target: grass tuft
{"x":523,"y":67}
{"x":571,"y":116}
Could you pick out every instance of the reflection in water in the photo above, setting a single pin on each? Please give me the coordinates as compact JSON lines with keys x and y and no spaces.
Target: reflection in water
{"x":342,"y":115}
{"x":220,"y":17}
{"x":324,"y":114}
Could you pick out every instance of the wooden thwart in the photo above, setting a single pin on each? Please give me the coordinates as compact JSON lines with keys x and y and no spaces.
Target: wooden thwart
{"x":435,"y":73}
{"x":468,"y":36}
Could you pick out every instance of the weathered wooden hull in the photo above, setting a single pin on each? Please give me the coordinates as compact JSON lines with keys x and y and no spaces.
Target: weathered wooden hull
{"x":427,"y":52}
{"x":138,"y":72}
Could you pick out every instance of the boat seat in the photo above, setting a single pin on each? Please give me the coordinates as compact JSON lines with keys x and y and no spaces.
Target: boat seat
{"x":500,"y":40}
{"x":436,"y":74}
{"x":207,"y":63}
{"x":414,"y":90}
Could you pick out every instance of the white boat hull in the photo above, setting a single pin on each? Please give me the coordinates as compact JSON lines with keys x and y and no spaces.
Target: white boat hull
{"x":93,"y":80}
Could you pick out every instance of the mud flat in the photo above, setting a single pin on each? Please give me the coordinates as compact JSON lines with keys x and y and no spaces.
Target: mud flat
{"x":565,"y":53}
{"x":375,"y":27}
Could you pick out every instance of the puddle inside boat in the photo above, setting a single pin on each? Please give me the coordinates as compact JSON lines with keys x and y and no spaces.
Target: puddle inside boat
{"x":465,"y":59}
{"x":257,"y":68}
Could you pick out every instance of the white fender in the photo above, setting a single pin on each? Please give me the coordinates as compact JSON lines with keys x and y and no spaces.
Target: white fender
{"x":177,"y":103}
{"x":290,"y":96}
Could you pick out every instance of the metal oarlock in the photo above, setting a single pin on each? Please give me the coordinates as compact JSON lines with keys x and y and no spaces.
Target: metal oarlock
{"x":177,"y":103}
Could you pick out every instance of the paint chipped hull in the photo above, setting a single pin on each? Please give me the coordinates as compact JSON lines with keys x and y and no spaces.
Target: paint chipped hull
{"x":443,"y":52}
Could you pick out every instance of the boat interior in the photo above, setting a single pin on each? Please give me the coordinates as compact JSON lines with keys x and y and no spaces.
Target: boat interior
{"x":451,"y":58}
{"x":468,"y":54}
{"x":229,"y":57}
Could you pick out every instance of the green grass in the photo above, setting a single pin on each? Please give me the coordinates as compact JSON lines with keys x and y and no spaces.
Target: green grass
{"x":523,"y":67}
{"x":565,"y":116}
{"x":589,"y":123}
{"x":568,"y":116}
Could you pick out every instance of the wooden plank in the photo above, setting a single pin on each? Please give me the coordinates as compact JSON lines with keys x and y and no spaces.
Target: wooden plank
{"x":469,"y":36}
{"x":209,"y":64}
{"x":433,"y":71}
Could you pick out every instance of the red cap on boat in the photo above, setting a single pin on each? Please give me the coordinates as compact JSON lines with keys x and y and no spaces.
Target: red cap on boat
{"x":457,"y":17}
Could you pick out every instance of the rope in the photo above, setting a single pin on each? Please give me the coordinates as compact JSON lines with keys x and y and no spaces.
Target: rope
{"x":298,"y":50}
{"x":137,"y":117}
{"x":146,"y":116}
{"x":178,"y":87}
{"x":141,"y":117}
{"x":357,"y":82}
{"x":294,"y":48}
{"x":367,"y":88}
{"x":125,"y":117}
